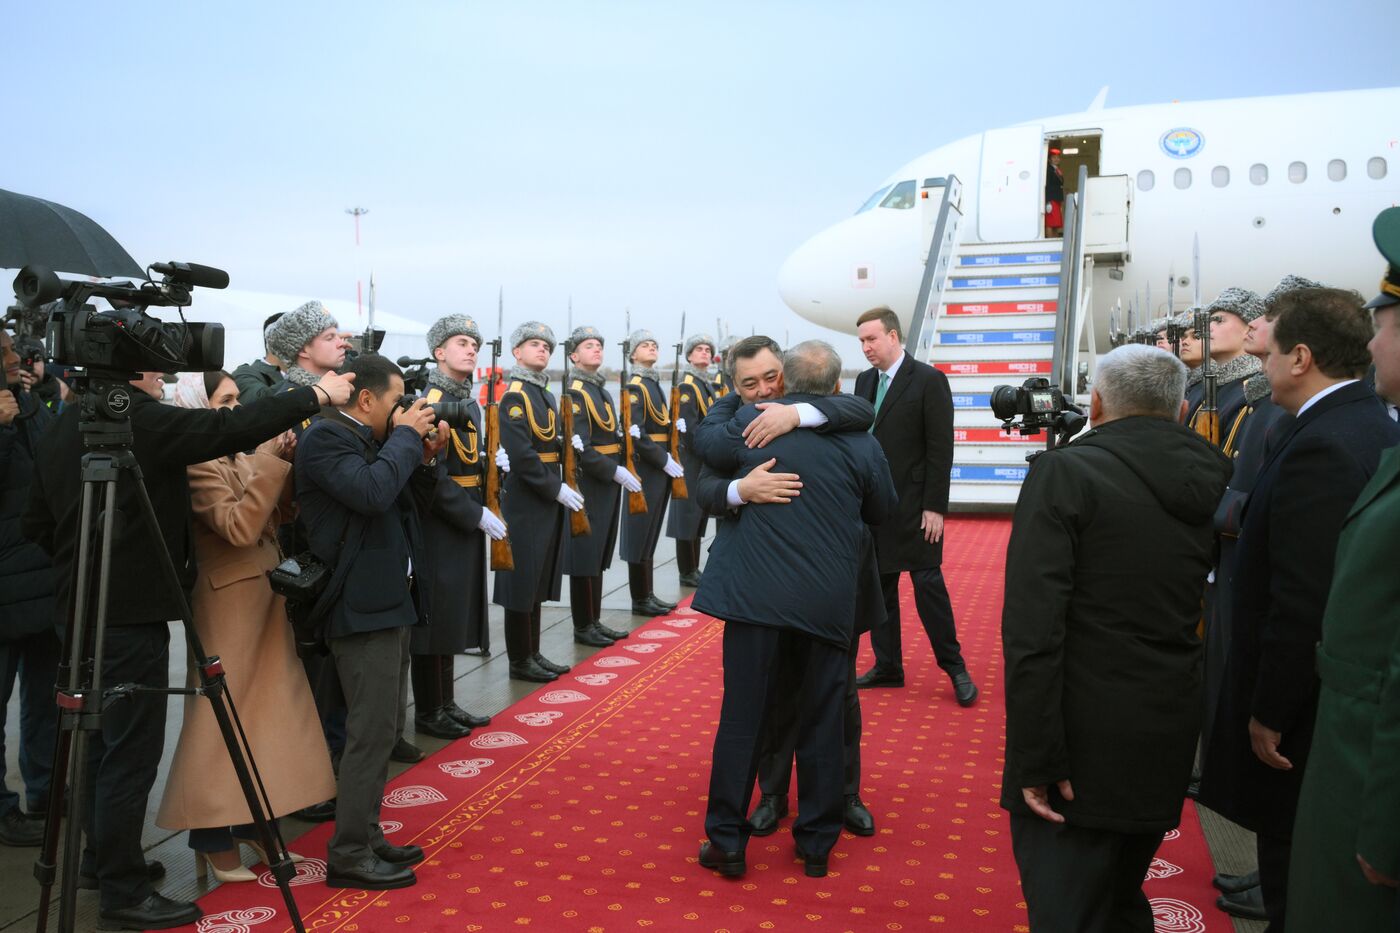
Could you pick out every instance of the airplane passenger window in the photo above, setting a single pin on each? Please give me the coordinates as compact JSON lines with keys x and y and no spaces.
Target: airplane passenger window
{"x":1146,"y":180}
{"x":1337,"y":170}
{"x":874,"y":199}
{"x":901,"y":198}
{"x":1375,"y":167}
{"x":1258,"y":173}
{"x":1220,"y":176}
{"x":1182,"y":178}
{"x":1297,"y":172}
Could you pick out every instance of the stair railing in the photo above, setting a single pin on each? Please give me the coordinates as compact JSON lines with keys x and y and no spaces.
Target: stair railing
{"x":1071,"y":305}
{"x":942,"y":245}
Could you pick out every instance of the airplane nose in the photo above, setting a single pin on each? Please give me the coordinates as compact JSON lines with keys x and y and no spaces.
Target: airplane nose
{"x":847,"y":269}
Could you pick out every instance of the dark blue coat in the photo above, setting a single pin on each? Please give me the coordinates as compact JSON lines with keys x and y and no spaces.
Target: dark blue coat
{"x":26,"y":575}
{"x":796,"y":566}
{"x":352,"y":492}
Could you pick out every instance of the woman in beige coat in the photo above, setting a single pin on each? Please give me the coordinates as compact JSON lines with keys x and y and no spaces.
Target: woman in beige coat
{"x":238,"y":502}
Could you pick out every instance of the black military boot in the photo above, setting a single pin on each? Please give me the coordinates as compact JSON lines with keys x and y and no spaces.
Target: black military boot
{"x":688,"y":562}
{"x":531,"y":671}
{"x":549,"y":665}
{"x":652,"y":599}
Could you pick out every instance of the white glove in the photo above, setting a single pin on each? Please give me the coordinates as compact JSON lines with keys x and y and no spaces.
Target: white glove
{"x":569,"y":499}
{"x":635,"y":430}
{"x":680,"y":425}
{"x":502,"y":460}
{"x":578,"y":443}
{"x":673,"y":469}
{"x":495,"y":528}
{"x":624,"y":478}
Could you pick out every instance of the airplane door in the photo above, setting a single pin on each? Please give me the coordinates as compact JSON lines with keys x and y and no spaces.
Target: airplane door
{"x":1011,"y":200}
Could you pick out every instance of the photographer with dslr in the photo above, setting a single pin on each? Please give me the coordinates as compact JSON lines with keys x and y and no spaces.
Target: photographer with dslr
{"x":28,"y":645}
{"x":125,"y":755}
{"x":34,"y":374}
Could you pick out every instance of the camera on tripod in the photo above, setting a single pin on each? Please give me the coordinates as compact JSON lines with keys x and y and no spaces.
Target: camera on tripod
{"x":125,"y":340}
{"x":1034,"y":401}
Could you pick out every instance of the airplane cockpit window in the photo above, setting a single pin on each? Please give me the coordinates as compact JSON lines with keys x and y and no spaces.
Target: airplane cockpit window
{"x":1337,"y":170}
{"x":901,"y":198}
{"x":1220,"y":176}
{"x":1376,"y":167}
{"x":1182,"y":178}
{"x":1146,"y":179}
{"x":1258,"y":174}
{"x":874,"y":199}
{"x":1297,"y":172}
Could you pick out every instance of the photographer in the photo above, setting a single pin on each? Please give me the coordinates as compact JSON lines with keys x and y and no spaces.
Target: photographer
{"x":1110,"y":543}
{"x":125,"y":756}
{"x":48,"y":388}
{"x":28,"y":645}
{"x":363,"y":473}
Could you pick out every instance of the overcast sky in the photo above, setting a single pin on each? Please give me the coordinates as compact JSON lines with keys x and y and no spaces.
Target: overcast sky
{"x":657,"y":156}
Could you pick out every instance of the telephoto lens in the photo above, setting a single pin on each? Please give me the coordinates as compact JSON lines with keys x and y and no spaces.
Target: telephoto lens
{"x":451,"y":410}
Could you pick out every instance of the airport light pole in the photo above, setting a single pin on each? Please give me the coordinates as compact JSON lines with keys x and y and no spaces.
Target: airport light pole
{"x":357,"y":213}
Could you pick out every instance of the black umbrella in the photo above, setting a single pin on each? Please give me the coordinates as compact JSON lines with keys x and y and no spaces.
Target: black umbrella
{"x":33,"y":230}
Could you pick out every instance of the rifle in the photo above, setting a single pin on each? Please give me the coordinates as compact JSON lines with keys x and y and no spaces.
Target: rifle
{"x":502,"y":558}
{"x":578,"y":521}
{"x":678,"y":487}
{"x":1207,"y":420}
{"x":636,"y":501}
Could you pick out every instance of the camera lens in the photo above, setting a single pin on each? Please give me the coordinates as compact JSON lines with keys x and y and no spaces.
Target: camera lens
{"x":1006,"y":402}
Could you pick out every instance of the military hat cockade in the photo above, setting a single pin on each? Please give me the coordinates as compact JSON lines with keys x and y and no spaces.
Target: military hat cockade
{"x":532,"y":330}
{"x":450,"y":326}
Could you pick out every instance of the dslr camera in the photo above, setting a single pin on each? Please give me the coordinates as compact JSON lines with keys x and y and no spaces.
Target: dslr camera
{"x":453,"y":411}
{"x":1040,"y":407}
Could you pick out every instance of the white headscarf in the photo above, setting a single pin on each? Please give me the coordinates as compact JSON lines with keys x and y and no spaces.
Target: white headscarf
{"x":190,"y":392}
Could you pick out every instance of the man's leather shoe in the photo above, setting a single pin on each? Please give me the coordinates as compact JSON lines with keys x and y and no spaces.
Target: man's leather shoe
{"x":728,"y":864}
{"x":529,"y":670}
{"x":88,"y":882}
{"x":647,"y":607}
{"x":813,"y":865}
{"x":440,"y":726}
{"x":470,"y":720}
{"x":20,"y":830}
{"x":763,"y":821}
{"x":1247,"y":905}
{"x":592,"y":637}
{"x":878,"y":677}
{"x":691,"y":579}
{"x":406,"y":752}
{"x":322,"y":812}
{"x":156,"y":912}
{"x":549,"y":665}
{"x":964,"y":689}
{"x":858,"y":819}
{"x":612,"y":633}
{"x":372,"y":874}
{"x":398,"y":855}
{"x":1234,"y":884}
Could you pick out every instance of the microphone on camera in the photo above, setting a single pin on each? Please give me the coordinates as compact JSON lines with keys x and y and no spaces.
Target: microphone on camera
{"x":192,"y":273}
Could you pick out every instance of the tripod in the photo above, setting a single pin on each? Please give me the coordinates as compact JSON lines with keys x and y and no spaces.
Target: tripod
{"x":82,"y":696}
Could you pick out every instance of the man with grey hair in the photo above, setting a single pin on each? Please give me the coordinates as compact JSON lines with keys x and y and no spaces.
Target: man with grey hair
{"x":1097,"y":763}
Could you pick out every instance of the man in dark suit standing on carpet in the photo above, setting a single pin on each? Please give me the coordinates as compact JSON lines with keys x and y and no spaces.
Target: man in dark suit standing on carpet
{"x":816,"y":540}
{"x":1283,"y":569}
{"x":914,"y":425}
{"x":1110,"y":545}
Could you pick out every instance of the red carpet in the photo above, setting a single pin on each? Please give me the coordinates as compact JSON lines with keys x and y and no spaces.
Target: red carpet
{"x":582,"y":806}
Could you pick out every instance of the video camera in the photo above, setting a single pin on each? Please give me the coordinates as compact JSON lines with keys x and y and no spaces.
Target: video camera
{"x":368,"y":342}
{"x":126,"y":340}
{"x":1041,"y":407}
{"x":415,"y":374}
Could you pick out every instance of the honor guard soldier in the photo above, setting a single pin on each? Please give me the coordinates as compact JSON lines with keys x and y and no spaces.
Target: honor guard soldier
{"x":1230,"y":315}
{"x":697,"y":392}
{"x":724,"y":382}
{"x":651,"y":422}
{"x":601,"y":478}
{"x":455,"y":529}
{"x":534,"y":501}
{"x":1191,"y":354}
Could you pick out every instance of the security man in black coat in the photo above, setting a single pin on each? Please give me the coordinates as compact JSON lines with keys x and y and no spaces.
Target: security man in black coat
{"x":1283,"y":570}
{"x":363,"y":474}
{"x":455,"y":529}
{"x":601,"y":479}
{"x":914,"y":424}
{"x":534,"y":499}
{"x":651,"y":425}
{"x":815,"y":542}
{"x":687,"y":521}
{"x":259,"y":377}
{"x":166,"y":440}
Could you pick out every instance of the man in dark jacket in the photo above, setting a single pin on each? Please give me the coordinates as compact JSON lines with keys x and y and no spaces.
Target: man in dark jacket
{"x":258,"y":378}
{"x":1110,"y":544}
{"x":124,"y":758}
{"x":1283,"y":569}
{"x":914,"y":425}
{"x":28,"y":643}
{"x":353,"y":470}
{"x":814,"y":542}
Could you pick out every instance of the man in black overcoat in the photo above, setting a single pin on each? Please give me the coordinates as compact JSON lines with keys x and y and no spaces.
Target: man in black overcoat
{"x":1283,"y":569}
{"x":914,"y":425}
{"x":1110,"y":544}
{"x":790,"y":569}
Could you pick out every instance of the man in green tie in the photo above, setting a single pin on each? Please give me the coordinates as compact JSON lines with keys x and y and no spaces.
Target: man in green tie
{"x":914,"y":425}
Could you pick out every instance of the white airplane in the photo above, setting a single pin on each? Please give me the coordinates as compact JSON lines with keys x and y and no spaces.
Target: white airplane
{"x":1267,"y":186}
